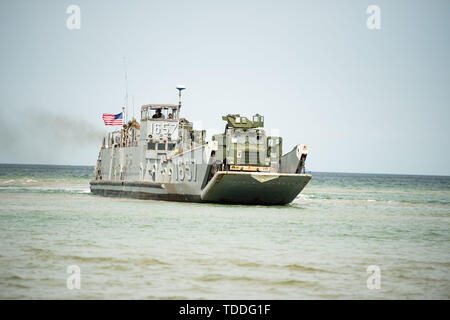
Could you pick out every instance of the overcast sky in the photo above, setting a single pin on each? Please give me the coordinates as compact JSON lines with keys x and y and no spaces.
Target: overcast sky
{"x":374,"y":101}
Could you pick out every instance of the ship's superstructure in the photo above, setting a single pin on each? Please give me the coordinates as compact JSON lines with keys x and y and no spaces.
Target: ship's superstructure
{"x":164,"y":158}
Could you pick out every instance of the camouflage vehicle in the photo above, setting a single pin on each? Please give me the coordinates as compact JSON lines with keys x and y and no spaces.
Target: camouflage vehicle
{"x":164,"y":158}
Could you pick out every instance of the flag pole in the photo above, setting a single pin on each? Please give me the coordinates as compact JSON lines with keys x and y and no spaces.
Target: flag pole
{"x":123,"y":115}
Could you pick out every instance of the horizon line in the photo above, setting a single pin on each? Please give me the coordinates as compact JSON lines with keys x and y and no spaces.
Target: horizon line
{"x":344,"y":172}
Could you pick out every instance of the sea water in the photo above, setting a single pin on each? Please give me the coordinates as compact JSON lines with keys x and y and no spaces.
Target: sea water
{"x":321,"y":246}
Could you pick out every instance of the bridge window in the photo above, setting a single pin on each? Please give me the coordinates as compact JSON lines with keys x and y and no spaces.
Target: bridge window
{"x":170,"y":146}
{"x":151,"y":146}
{"x":161,"y":146}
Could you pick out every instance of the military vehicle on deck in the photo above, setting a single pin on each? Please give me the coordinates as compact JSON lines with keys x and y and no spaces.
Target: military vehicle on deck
{"x":164,"y":158}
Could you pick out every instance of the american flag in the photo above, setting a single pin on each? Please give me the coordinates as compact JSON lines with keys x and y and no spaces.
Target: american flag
{"x":113,"y":119}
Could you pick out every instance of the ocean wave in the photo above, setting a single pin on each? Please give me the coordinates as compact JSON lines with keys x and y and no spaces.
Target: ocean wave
{"x":348,"y":199}
{"x":109,"y":260}
{"x":7,"y":181}
{"x":45,"y":190}
{"x":290,"y":267}
{"x":304,"y":197}
{"x":288,"y":282}
{"x":297,"y":267}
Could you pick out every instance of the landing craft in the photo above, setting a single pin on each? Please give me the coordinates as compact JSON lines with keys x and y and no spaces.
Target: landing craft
{"x":164,"y":158}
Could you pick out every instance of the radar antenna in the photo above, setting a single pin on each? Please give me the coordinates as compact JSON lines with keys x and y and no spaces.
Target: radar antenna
{"x":180,"y":88}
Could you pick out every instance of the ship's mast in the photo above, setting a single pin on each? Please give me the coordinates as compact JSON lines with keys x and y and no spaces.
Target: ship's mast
{"x":125,"y":118}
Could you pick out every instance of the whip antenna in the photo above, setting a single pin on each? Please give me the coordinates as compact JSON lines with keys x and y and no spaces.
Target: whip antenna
{"x":126,"y":87}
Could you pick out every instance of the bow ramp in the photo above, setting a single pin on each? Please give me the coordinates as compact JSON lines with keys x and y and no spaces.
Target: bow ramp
{"x":254,"y":187}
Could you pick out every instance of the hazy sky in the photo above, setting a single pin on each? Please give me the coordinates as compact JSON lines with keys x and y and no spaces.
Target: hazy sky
{"x":363,"y":100}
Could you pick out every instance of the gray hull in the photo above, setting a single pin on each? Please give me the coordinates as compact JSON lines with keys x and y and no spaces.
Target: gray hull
{"x":140,"y":190}
{"x":224,"y":187}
